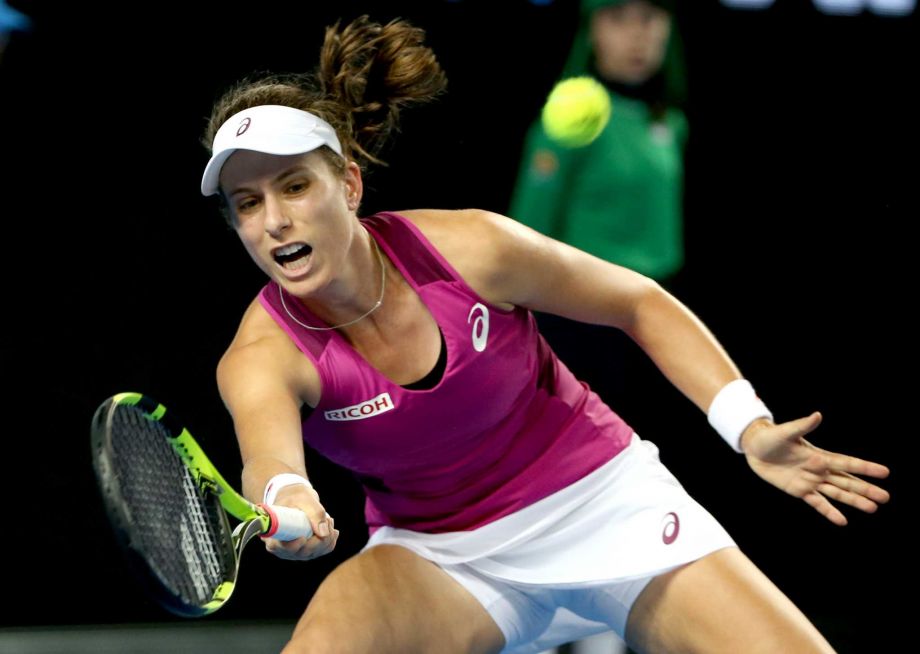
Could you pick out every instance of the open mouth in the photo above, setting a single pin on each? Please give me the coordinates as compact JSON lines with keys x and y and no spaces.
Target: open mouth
{"x":294,"y":256}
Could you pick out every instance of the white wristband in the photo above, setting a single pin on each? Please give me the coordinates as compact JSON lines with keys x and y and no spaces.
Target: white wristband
{"x":278,"y":482}
{"x":734,"y":408}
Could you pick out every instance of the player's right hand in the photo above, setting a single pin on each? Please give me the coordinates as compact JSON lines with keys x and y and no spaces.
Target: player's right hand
{"x":325,"y":535}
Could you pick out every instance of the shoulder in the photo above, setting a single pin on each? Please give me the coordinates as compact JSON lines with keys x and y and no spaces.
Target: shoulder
{"x":459,"y":230}
{"x":510,"y":264}
{"x":481,"y":245}
{"x":262,"y":360}
{"x":444,"y":227}
{"x":464,"y":236}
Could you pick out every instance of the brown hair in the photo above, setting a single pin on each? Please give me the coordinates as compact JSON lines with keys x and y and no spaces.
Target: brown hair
{"x":367,"y":73}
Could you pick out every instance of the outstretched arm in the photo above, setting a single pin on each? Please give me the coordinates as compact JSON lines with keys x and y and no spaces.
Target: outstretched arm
{"x":516,"y":265}
{"x":262,"y":391}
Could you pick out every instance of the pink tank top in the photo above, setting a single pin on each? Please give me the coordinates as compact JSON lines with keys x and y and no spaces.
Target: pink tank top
{"x":506,"y":425}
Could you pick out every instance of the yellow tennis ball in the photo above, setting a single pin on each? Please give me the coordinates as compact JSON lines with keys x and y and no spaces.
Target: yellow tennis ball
{"x":576,"y":111}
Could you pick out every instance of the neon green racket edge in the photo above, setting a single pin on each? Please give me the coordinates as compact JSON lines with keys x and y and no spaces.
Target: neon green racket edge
{"x":169,"y":506}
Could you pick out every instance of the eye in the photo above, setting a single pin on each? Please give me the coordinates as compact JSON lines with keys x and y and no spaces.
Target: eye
{"x":246,"y":205}
{"x":296,"y":187}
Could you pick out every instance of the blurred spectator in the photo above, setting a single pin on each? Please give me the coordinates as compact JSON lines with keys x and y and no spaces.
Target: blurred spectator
{"x":619,"y":198}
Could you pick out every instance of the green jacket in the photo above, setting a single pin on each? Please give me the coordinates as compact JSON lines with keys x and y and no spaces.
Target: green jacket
{"x":619,"y":198}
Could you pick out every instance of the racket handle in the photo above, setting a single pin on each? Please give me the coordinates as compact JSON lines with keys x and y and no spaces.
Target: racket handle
{"x":287,"y":523}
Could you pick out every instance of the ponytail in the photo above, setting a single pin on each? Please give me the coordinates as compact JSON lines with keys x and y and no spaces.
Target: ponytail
{"x":367,"y":74}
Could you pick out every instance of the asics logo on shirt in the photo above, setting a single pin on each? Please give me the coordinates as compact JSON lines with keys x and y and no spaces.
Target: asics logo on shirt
{"x":671,"y":527}
{"x":480,"y":326}
{"x":367,"y":409}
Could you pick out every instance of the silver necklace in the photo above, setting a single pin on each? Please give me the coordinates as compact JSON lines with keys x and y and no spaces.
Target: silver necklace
{"x":383,"y":287}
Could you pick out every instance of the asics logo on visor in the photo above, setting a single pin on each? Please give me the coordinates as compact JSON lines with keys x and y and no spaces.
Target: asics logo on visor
{"x":244,"y":125}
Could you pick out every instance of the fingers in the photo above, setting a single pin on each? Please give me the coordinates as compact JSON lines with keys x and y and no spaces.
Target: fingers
{"x":847,"y":497}
{"x":323,"y":526}
{"x":824,"y":476}
{"x":851,"y":464}
{"x":304,"y":549}
{"x":796,"y":429}
{"x":830,"y":474}
{"x":324,"y":537}
{"x":781,"y":455}
{"x":848,"y":482}
{"x":846,"y":463}
{"x":842,"y":471}
{"x":821,"y":505}
{"x":780,"y":443}
{"x":847,"y":489}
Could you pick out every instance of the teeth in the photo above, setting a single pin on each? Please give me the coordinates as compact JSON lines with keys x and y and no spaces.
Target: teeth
{"x":296,"y":264}
{"x":289,"y":249}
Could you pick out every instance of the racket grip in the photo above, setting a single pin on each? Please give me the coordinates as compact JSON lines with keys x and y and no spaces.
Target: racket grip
{"x":287,"y":523}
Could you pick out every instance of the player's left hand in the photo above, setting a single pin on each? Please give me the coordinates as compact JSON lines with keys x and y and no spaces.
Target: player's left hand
{"x":780,"y":455}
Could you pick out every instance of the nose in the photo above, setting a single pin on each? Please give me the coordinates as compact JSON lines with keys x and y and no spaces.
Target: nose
{"x":276,"y":220}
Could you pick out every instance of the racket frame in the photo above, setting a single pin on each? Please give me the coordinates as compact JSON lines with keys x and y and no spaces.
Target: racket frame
{"x":255,"y":520}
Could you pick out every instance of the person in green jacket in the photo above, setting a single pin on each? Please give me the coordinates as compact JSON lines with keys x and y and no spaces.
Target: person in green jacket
{"x":620,"y":197}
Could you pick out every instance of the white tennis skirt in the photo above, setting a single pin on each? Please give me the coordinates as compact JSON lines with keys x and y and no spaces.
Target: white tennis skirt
{"x":629,"y":520}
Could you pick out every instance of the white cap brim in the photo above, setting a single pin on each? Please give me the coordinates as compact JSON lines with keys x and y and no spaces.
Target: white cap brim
{"x":272,"y":129}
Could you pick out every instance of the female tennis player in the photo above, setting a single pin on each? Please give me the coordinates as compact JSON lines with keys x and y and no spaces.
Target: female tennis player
{"x":510,"y":509}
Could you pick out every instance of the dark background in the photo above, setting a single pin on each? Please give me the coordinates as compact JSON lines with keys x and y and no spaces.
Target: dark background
{"x":117,"y":275}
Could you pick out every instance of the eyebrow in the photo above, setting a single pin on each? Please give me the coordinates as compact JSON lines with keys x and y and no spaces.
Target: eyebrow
{"x":296,"y":168}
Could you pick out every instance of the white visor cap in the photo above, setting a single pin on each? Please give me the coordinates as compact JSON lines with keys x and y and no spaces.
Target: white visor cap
{"x":272,"y":129}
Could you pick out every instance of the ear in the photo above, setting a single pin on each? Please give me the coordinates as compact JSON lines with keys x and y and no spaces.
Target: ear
{"x":354,"y":185}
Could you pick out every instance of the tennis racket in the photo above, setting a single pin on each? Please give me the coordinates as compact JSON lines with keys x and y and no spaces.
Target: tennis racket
{"x":168,"y":505}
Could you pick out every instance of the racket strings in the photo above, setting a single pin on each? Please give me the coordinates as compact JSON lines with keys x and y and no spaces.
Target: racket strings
{"x":182,"y":532}
{"x":196,"y":540}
